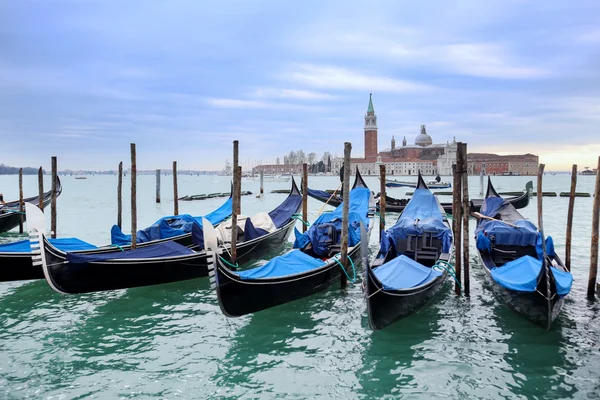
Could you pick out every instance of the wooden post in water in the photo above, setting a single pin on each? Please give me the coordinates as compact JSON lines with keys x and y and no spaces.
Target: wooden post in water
{"x":594,"y":247}
{"x":382,"y":195}
{"x":570,"y":217}
{"x":481,"y":182}
{"x":236,"y":163}
{"x":21,"y":204}
{"x":545,"y":266}
{"x":465,"y":221}
{"x":304,"y":195}
{"x":53,"y":201}
{"x":456,"y":220}
{"x":175,"y":195}
{"x":235,"y":203}
{"x":41,"y":189}
{"x":120,"y":197}
{"x":262,"y":183}
{"x":133,"y":197}
{"x":345,"y":211}
{"x":158,"y":185}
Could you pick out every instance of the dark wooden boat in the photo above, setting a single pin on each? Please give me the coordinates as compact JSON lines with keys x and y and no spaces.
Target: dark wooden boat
{"x":411,"y":265}
{"x":10,"y":215}
{"x":154,"y":264}
{"x":17,"y":265}
{"x":510,"y":249}
{"x":431,"y":184}
{"x":296,"y":274}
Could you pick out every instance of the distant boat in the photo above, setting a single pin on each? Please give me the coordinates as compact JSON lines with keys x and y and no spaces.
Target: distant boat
{"x":81,"y":177}
{"x":430,"y":184}
{"x":587,"y":171}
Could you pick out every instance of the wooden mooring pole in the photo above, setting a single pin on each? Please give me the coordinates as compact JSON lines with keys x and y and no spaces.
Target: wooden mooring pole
{"x":41,"y":189}
{"x":304,"y":195}
{"x":235,"y":202}
{"x":53,"y":198}
{"x":21,"y":204}
{"x":594,"y":247}
{"x":158,"y":185}
{"x":262,"y":183}
{"x":345,"y":211}
{"x":465,"y":219}
{"x":457,"y":221}
{"x":570,"y":217}
{"x":133,"y":197}
{"x":120,"y":197}
{"x":175,"y":195}
{"x":382,"y":194}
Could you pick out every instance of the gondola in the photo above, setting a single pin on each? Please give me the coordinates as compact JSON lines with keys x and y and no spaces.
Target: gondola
{"x":412,"y":263}
{"x":9,"y":212}
{"x":430,"y":185}
{"x":160,"y":263}
{"x":510,"y":249}
{"x":15,"y":257}
{"x":397,"y":205}
{"x":312,"y":266}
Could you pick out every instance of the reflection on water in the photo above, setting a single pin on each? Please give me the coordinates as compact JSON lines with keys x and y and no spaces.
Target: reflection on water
{"x":172,"y":340}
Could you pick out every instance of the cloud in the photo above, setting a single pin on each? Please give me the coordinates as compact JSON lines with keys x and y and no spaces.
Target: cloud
{"x":297,"y":94}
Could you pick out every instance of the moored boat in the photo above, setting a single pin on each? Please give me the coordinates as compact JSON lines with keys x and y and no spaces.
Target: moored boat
{"x":430,"y":185}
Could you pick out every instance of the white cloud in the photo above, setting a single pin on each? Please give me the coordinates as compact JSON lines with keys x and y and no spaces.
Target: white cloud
{"x":256,"y":104}
{"x":291,"y":94}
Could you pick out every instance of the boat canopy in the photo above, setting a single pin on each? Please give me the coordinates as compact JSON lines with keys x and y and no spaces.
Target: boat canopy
{"x":404,"y":273}
{"x":166,"y":249}
{"x":492,"y":205}
{"x":525,"y":235}
{"x":171,"y":226}
{"x":64,"y":244}
{"x":294,"y":262}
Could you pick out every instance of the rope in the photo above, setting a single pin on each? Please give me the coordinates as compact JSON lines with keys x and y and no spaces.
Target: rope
{"x":449,"y":216}
{"x":116,"y":245}
{"x":330,"y":197}
{"x":381,"y":219}
{"x":353,"y":279}
{"x":228,"y":263}
{"x":298,"y":217}
{"x":448,"y":267}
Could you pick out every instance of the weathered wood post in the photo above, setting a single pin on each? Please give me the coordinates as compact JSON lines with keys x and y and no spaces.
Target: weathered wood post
{"x":382,"y":194}
{"x":594,"y":248}
{"x":41,"y":189}
{"x":456,"y":221}
{"x":120,"y":197}
{"x":481,"y":182}
{"x":235,"y":203}
{"x":53,"y":198}
{"x":175,"y":195}
{"x":345,"y":211}
{"x":133,"y":197}
{"x":304,"y":195}
{"x":570,"y":217}
{"x":465,"y":215}
{"x":262,"y":183}
{"x":21,"y":204}
{"x":158,"y":185}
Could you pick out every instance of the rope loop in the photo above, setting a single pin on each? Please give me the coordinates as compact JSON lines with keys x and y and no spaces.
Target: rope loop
{"x":353,"y":279}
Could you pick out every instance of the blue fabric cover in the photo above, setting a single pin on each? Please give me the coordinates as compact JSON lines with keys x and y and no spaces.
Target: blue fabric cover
{"x":422,"y":214}
{"x":549,"y":247}
{"x":250,"y":232}
{"x":64,"y":244}
{"x":564,"y":281}
{"x":171,"y":226}
{"x":491,"y":205}
{"x":318,"y":235}
{"x":282,"y":214}
{"x":294,"y":262}
{"x":404,"y":273}
{"x":166,"y":249}
{"x":519,"y":275}
{"x":322,"y":194}
{"x":483,"y":243}
{"x":525,"y":235}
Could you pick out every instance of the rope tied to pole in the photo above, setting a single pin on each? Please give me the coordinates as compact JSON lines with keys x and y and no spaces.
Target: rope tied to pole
{"x":299,"y":218}
{"x":353,"y":279}
{"x":441,"y":265}
{"x":236,"y":266}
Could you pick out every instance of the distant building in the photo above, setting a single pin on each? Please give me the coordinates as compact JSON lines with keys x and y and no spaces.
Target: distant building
{"x":494,"y":164}
{"x":278,"y":169}
{"x":424,"y":155}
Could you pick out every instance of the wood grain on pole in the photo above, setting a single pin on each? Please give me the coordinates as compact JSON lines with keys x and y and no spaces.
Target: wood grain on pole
{"x":234,"y":202}
{"x":133,"y":197}
{"x":21,"y":205}
{"x":304,"y":195}
{"x":594,"y":247}
{"x":175,"y":194}
{"x":120,"y":197}
{"x":41,"y":189}
{"x":53,"y":198}
{"x":235,"y":165}
{"x":465,"y":221}
{"x":382,"y":194}
{"x":457,"y":221}
{"x":158,"y":185}
{"x":570,"y":217}
{"x":262,"y":183}
{"x":345,"y":211}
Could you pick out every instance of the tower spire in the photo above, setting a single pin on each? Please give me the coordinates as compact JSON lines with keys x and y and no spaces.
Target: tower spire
{"x":370,"y":110}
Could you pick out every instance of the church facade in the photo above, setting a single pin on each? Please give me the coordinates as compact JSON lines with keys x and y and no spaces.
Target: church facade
{"x":424,"y":155}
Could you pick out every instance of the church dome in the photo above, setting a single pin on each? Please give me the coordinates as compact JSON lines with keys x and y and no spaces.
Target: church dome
{"x":423,"y":139}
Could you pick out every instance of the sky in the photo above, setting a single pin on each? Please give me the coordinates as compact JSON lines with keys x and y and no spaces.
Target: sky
{"x":82,"y":79}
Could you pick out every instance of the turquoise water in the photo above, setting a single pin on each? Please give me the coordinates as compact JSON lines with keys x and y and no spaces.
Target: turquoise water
{"x":171,"y":341}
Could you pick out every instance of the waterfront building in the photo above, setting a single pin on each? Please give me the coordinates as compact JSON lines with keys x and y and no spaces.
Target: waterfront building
{"x":494,"y":164}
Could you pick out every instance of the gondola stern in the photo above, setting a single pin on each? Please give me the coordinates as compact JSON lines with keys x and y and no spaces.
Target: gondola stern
{"x":491,"y":191}
{"x":295,"y":191}
{"x":358,"y":180}
{"x":421,"y":182}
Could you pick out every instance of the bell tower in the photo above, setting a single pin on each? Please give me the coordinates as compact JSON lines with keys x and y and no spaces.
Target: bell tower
{"x":370,"y":130}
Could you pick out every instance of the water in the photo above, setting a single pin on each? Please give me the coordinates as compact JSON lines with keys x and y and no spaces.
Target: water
{"x":171,"y":341}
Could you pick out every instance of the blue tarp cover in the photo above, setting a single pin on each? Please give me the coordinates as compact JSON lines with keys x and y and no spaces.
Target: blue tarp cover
{"x":322,"y":194}
{"x":64,"y":244}
{"x":166,"y":249}
{"x":519,"y":275}
{"x":564,"y":281}
{"x":404,"y":273}
{"x":491,"y":205}
{"x":171,"y":226}
{"x":525,"y":235}
{"x":422,"y":214}
{"x":291,"y":263}
{"x":284,"y":212}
